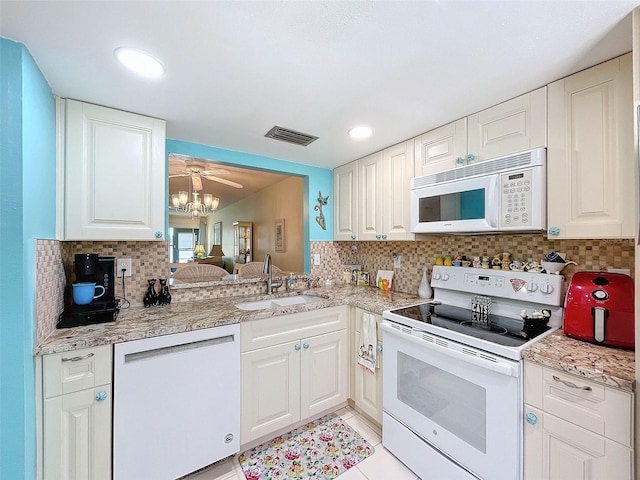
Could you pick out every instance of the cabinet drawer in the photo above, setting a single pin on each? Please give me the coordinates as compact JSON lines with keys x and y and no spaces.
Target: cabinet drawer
{"x":590,"y":405}
{"x":76,"y":370}
{"x":286,"y":328}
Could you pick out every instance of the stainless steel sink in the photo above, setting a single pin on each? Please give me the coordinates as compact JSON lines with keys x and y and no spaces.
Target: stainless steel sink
{"x":278,"y":302}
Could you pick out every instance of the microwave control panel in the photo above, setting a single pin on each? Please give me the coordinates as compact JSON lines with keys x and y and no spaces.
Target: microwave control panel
{"x":516,"y":199}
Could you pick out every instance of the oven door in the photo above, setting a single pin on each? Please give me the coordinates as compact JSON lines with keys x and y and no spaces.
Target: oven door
{"x":462,"y":401}
{"x":468,"y":205}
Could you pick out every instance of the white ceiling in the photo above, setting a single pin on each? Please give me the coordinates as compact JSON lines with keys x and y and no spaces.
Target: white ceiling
{"x":236,"y":68}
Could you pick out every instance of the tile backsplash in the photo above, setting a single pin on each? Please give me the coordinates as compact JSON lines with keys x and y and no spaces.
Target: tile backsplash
{"x":374,"y":256}
{"x":150,"y":260}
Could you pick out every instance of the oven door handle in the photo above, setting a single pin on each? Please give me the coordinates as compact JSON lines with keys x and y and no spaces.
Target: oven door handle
{"x":502,"y":368}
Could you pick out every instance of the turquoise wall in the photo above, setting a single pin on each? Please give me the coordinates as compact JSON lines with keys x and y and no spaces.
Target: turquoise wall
{"x":316,"y":180}
{"x":27,"y":212}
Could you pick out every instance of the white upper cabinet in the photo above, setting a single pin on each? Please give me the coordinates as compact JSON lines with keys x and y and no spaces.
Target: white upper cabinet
{"x":510,"y":127}
{"x":372,"y":196}
{"x":441,"y":149}
{"x":114,"y":175}
{"x":345,"y":191}
{"x":384,"y":183}
{"x":590,"y":166}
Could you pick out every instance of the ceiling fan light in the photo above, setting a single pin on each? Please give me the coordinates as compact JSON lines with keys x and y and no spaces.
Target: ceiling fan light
{"x":208,"y":199}
{"x":196,"y":201}
{"x":215,"y":202}
{"x":183,"y":197}
{"x":175,"y":200}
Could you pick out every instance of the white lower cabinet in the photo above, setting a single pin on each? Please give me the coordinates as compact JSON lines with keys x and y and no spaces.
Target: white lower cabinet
{"x":575,"y":429}
{"x":76,"y":415}
{"x":294,"y":368}
{"x":368,"y":385}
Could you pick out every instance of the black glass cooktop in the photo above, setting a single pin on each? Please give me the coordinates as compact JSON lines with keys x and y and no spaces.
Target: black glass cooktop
{"x":510,"y":332}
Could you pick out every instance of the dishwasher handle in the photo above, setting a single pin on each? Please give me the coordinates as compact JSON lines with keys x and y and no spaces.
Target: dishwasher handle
{"x":156,"y":352}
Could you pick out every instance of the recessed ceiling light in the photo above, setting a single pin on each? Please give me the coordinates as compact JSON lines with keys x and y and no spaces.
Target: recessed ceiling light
{"x":361,"y":132}
{"x":139,"y":62}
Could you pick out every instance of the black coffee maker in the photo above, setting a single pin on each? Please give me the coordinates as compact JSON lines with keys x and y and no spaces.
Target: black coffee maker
{"x":90,"y":267}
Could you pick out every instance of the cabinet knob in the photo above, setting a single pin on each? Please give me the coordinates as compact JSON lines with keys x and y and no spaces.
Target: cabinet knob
{"x":531,"y":418}
{"x":158,"y":234}
{"x":459,"y":161}
{"x":378,"y":236}
{"x":297,"y":347}
{"x":553,"y":231}
{"x":471,"y":157}
{"x":384,"y":236}
{"x":353,"y":236}
{"x":305,"y":345}
{"x":379,"y":348}
{"x":100,"y":396}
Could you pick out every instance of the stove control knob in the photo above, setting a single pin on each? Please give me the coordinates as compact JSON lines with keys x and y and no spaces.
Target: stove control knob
{"x":533,"y":287}
{"x":546,"y":289}
{"x":600,"y":295}
{"x":445,"y":276}
{"x":436,"y":276}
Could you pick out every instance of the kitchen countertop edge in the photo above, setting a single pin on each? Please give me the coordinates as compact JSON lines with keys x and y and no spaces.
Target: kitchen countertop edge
{"x":612,"y":367}
{"x":138,"y":322}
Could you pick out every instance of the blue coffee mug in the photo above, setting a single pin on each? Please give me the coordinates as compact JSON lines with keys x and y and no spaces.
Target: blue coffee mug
{"x":84,"y":292}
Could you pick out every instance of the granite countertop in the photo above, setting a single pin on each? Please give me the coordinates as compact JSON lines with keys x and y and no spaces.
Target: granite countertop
{"x":139,"y":322}
{"x":610,"y":366}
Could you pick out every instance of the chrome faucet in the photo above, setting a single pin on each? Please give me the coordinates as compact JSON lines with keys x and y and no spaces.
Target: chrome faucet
{"x":267,"y":269}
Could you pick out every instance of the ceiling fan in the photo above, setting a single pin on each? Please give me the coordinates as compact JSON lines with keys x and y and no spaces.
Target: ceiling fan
{"x":183,"y":167}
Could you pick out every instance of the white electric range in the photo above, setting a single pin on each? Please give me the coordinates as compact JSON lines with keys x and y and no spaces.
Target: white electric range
{"x":452,"y":385}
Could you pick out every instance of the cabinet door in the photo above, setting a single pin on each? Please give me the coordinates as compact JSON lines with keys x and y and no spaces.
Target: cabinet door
{"x":324,"y":371}
{"x":345,"y":190}
{"x":394,"y":191}
{"x":368,"y":386}
{"x":440,"y":148}
{"x":115,"y":175}
{"x":509,"y":127}
{"x":368,"y":389}
{"x":77,"y":435}
{"x":590,"y":167}
{"x":369,"y":197}
{"x":270,"y":390}
{"x":557,"y":449}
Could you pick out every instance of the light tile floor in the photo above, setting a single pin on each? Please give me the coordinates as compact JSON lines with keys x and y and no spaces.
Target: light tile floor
{"x":382,"y":465}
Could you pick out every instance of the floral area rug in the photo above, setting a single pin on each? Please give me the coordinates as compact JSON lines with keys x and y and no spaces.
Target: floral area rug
{"x":319,"y":450}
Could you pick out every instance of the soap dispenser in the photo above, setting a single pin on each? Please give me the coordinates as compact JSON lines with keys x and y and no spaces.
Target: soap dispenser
{"x":424,"y":290}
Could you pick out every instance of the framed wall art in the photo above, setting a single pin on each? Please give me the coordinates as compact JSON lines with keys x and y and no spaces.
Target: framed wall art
{"x":280,"y":237}
{"x":217,"y":233}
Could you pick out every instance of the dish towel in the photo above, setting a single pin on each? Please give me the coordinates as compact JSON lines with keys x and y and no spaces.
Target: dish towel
{"x":367,"y":352}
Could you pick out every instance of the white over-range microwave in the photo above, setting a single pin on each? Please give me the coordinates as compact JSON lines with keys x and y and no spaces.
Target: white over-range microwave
{"x":506,"y":194}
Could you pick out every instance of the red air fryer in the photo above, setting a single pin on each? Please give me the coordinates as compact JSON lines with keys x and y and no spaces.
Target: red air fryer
{"x":598,"y":308}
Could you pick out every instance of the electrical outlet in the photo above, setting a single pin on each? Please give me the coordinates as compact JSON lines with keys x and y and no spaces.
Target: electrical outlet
{"x":397,"y":261}
{"x":123,"y":263}
{"x":316,"y":259}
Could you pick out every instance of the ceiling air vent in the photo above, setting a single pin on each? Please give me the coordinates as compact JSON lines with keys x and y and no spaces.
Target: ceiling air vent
{"x":290,"y":136}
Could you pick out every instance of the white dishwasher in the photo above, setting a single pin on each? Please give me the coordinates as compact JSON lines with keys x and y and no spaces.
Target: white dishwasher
{"x":176,"y":403}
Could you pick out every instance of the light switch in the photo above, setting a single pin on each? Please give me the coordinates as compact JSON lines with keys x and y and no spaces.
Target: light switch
{"x":316,"y":259}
